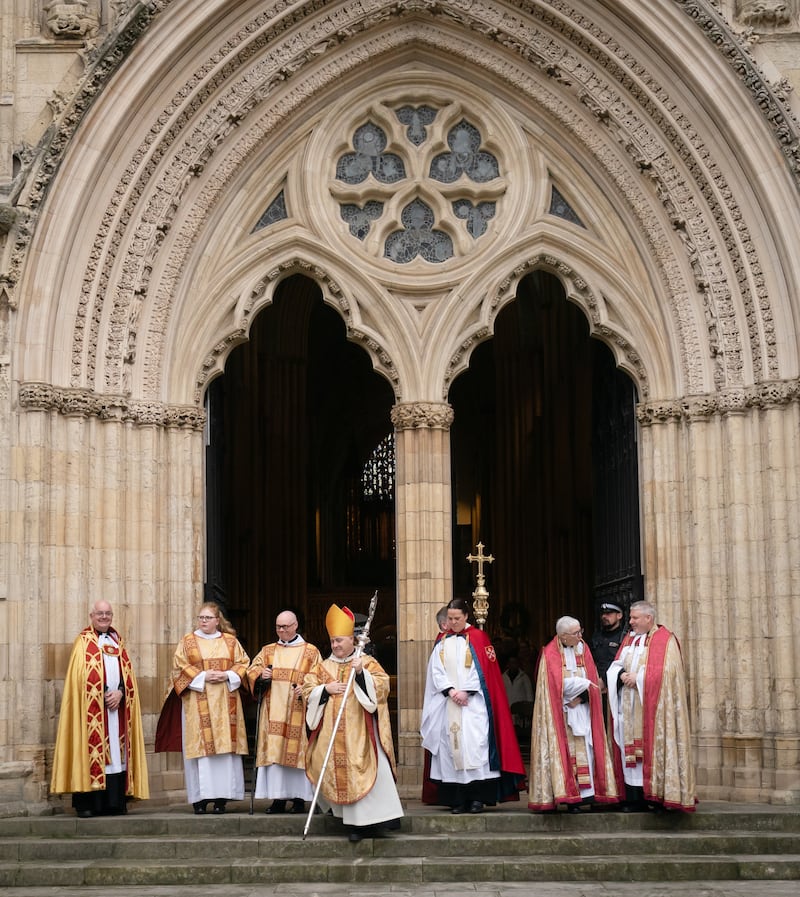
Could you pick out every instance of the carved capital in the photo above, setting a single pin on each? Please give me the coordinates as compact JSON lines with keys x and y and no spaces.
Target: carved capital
{"x":417,"y":415}
{"x":761,"y":396}
{"x":86,"y":403}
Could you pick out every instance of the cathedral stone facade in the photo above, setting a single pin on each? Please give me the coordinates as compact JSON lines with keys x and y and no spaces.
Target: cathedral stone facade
{"x":165,"y":165}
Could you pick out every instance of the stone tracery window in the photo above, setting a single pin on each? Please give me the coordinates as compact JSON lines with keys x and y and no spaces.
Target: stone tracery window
{"x":476,"y":215}
{"x":369,"y":142}
{"x":465,"y":157}
{"x":562,"y":209}
{"x":416,"y":120}
{"x":418,"y":237}
{"x":377,"y":477}
{"x":386,"y":158}
{"x":359,"y":220}
{"x":275,"y":211}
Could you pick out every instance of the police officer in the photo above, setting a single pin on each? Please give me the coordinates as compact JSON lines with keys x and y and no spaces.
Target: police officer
{"x":606,"y":640}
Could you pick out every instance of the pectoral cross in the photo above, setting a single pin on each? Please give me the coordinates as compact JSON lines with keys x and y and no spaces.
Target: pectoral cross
{"x":454,"y":730}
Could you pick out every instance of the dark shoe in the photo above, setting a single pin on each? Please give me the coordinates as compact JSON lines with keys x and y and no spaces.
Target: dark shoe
{"x":355,"y":836}
{"x":278,"y":806}
{"x":298,"y":805}
{"x":84,"y":814}
{"x":634,"y":808}
{"x":573,"y":808}
{"x":464,"y":808}
{"x":200,"y":807}
{"x":219,"y":806}
{"x":476,"y":807}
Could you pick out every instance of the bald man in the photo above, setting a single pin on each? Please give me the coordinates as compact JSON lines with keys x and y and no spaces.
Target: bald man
{"x":276,"y":678}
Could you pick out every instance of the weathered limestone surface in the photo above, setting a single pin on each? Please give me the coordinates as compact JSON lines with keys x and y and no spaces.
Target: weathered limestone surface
{"x":140,"y":144}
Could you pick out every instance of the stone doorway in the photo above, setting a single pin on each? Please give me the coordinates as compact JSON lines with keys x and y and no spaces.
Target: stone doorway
{"x":544,"y":463}
{"x":296,"y":423}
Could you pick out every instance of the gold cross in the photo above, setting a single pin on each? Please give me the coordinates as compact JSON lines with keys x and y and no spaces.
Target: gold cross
{"x":480,"y":559}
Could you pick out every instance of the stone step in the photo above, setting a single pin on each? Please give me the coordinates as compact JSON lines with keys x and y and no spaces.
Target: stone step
{"x":181,"y":822}
{"x":363,"y":867}
{"x":157,"y":847}
{"x":430,"y":845}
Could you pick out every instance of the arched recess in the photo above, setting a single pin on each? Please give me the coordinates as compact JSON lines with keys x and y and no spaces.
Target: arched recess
{"x":136,"y":264}
{"x":229,"y":100}
{"x":545,"y":470}
{"x":299,"y":509}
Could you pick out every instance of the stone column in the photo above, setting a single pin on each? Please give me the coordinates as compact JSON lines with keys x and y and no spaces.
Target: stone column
{"x":424,"y":562}
{"x":721,"y":550}
{"x":109,"y":505}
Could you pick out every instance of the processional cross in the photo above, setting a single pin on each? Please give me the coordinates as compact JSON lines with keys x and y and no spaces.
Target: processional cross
{"x":480,"y":597}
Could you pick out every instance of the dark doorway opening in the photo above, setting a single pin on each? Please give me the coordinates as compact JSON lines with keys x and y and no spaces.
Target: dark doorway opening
{"x":545,"y":472}
{"x":299,"y":476}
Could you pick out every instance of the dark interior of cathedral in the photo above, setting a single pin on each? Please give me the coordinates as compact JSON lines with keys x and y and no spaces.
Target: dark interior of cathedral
{"x":300,"y":474}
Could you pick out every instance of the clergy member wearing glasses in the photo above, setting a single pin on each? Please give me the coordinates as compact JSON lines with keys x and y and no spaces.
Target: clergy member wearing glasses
{"x":207,"y":674}
{"x":276,"y":679}
{"x":99,"y":755}
{"x":571,"y":764}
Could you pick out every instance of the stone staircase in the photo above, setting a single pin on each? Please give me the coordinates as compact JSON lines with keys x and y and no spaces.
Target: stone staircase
{"x":155,"y":846}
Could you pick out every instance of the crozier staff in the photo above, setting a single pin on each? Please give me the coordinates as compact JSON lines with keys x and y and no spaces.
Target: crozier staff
{"x":358,"y":784}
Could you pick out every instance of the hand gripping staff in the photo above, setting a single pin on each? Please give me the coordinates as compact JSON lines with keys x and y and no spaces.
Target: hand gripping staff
{"x":363,"y":638}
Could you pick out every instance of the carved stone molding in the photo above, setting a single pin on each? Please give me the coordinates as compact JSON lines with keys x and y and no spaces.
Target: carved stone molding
{"x":653,"y":153}
{"x":42,"y":162}
{"x":579,"y":292}
{"x":499,"y":23}
{"x":85,"y":403}
{"x":382,"y":360}
{"x":422,"y":415}
{"x":762,"y":396}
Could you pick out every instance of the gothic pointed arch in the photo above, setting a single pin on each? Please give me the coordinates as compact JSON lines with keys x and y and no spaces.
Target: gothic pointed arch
{"x":558,"y":78}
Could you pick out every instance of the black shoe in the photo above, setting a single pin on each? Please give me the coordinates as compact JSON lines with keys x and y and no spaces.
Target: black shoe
{"x":355,"y":836}
{"x":464,"y":808}
{"x":573,"y":808}
{"x":476,"y":807}
{"x":634,"y":808}
{"x":219,"y":806}
{"x":200,"y":807}
{"x":298,"y":805}
{"x":278,"y":806}
{"x":84,"y":814}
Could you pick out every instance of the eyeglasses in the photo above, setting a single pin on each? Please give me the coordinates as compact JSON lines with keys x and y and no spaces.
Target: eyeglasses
{"x":103,"y":613}
{"x":577,"y":634}
{"x":206,"y":619}
{"x":285,"y":625}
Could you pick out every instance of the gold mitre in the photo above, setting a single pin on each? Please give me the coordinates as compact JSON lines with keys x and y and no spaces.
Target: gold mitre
{"x":339,"y":621}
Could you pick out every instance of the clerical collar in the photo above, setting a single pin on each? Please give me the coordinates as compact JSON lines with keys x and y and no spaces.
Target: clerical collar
{"x":298,"y":639}
{"x":201,"y":634}
{"x":347,"y":659}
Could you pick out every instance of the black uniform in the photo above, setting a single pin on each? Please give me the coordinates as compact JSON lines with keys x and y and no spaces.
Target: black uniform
{"x":605,"y":645}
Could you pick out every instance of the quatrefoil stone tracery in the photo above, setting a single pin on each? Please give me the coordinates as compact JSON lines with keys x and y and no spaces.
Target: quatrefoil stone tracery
{"x":443,"y":184}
